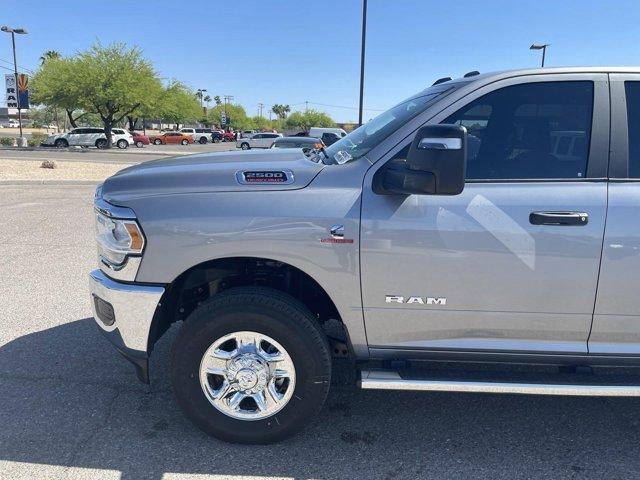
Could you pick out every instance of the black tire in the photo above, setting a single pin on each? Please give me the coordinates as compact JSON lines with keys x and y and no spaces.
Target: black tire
{"x":245,"y":146}
{"x":202,"y":140}
{"x":157,"y":141}
{"x":101,"y":143}
{"x":271,"y":313}
{"x":216,"y":140}
{"x":61,"y":143}
{"x":139,"y":144}
{"x":122,"y":144}
{"x":185,"y":142}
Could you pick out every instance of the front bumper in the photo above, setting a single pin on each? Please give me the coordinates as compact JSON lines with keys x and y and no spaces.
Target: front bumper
{"x":124,"y":313}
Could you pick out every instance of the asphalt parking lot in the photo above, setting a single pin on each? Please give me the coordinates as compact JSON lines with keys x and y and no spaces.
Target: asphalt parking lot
{"x":72,"y":408}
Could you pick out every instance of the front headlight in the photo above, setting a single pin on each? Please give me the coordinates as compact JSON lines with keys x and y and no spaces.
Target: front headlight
{"x":117,"y":239}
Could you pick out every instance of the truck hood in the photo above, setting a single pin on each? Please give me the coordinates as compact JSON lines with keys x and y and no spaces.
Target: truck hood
{"x":273,"y":169}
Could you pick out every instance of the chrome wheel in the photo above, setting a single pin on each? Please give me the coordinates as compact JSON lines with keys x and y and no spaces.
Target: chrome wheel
{"x":247,"y":375}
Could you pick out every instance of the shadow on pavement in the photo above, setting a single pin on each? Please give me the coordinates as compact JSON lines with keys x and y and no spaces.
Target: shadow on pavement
{"x":68,"y":399}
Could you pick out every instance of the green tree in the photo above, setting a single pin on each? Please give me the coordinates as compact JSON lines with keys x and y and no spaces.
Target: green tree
{"x":236,"y":114}
{"x":54,"y":85}
{"x":281,"y":111}
{"x":114,"y":81}
{"x":177,"y":104}
{"x":260,"y":123}
{"x":308,"y":119}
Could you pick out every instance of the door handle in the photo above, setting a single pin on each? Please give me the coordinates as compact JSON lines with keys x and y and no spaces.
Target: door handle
{"x":558,"y":218}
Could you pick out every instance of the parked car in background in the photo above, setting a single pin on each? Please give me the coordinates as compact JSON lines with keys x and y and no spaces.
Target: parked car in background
{"x":10,"y":124}
{"x":229,"y":137}
{"x":168,"y":138}
{"x":259,"y":140}
{"x":89,"y":137}
{"x":247,"y":133}
{"x":122,"y":138}
{"x":200,"y":135}
{"x":140,"y":140}
{"x":305,"y":143}
{"x":217,"y":136}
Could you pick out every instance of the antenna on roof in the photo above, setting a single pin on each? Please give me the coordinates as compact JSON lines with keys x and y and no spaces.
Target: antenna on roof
{"x":441,"y":80}
{"x":471,"y":74}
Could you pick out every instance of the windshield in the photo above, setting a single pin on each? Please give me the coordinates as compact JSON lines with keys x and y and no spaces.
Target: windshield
{"x":364,"y":138}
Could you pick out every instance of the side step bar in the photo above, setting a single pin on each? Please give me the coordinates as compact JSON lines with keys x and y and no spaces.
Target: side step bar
{"x":390,"y":380}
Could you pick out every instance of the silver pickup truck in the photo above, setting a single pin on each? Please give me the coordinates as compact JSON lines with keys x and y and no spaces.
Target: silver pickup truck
{"x":491,"y":219}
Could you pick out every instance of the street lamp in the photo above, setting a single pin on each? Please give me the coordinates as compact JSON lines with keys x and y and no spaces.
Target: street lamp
{"x":13,"y":32}
{"x":540,"y":46}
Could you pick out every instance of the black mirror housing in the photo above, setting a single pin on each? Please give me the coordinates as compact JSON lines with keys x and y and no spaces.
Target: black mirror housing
{"x":435,"y":164}
{"x":441,"y":150}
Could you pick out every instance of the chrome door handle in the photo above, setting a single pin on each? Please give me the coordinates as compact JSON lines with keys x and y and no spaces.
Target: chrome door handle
{"x":559,"y":218}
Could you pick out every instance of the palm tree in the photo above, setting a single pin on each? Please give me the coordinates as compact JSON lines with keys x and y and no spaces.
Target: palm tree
{"x":49,"y":55}
{"x":207,"y":99}
{"x":281,"y":110}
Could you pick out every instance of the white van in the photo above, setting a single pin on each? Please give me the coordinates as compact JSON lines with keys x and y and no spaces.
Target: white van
{"x":328,"y":135}
{"x":317,"y":132}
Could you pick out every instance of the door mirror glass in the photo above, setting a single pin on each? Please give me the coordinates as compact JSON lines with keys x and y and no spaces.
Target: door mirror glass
{"x":435,"y":164}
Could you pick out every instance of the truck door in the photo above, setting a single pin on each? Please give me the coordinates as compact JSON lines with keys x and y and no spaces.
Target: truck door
{"x":511,"y":264}
{"x":616,"y":321}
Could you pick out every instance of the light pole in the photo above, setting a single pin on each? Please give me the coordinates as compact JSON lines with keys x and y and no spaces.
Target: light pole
{"x":201,"y":96}
{"x":540,"y":46}
{"x":364,"y":35}
{"x":13,"y":32}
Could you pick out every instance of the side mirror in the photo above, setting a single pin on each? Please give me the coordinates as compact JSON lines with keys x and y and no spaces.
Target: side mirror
{"x":435,"y":164}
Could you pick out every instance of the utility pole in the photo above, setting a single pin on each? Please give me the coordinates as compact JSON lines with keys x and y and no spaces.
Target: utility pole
{"x":260,"y":106}
{"x":227,"y":99}
{"x":364,"y":35}
{"x":19,"y":31}
{"x":306,"y":106}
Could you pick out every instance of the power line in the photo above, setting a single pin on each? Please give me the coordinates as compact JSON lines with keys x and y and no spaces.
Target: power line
{"x":28,"y":70}
{"x":336,"y":106}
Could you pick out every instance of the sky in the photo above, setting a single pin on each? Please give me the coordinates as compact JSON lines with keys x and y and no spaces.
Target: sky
{"x":292,"y":51}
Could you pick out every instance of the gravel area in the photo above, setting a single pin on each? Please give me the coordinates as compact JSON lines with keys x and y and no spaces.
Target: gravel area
{"x":30,"y":170}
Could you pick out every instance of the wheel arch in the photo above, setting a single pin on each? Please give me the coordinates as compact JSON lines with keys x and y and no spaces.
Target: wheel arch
{"x":204,"y":280}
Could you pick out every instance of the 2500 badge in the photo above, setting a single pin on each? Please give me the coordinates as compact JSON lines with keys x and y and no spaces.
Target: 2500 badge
{"x":262,"y":177}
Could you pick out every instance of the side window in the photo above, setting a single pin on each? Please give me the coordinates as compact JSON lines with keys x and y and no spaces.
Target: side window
{"x":633,"y":122}
{"x":537,"y":130}
{"x":258,"y":136}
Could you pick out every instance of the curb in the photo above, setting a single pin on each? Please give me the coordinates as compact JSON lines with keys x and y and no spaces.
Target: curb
{"x":48,"y":182}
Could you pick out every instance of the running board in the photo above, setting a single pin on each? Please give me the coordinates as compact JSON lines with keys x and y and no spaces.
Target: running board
{"x":390,"y":380}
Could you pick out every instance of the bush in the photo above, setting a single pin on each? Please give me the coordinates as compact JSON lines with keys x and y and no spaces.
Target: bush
{"x":48,"y":164}
{"x":7,"y":141}
{"x":36,"y":139}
